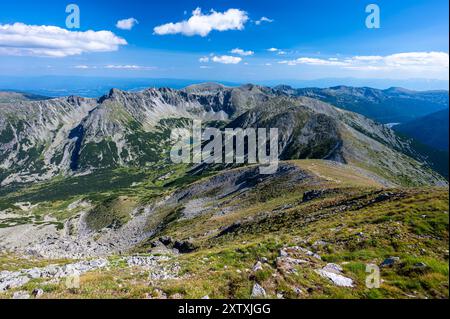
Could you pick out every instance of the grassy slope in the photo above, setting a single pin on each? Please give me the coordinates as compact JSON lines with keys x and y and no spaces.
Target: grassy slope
{"x":355,"y":218}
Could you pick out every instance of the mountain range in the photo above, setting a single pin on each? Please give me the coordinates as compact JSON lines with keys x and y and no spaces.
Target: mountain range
{"x":46,"y":138}
{"x":88,"y":184}
{"x":393,"y":105}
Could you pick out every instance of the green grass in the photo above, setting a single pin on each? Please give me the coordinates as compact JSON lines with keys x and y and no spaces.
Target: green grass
{"x":357,"y":225}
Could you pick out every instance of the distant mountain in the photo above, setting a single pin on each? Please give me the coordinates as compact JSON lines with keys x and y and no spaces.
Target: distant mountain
{"x":11,"y":96}
{"x":382,"y":84}
{"x":393,"y":105}
{"x":87,"y":86}
{"x":432,"y":129}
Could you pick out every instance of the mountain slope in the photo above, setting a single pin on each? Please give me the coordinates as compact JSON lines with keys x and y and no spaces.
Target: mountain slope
{"x":394,"y":105}
{"x":312,"y":129}
{"x":222,"y":234}
{"x":431,"y":130}
{"x":11,"y":96}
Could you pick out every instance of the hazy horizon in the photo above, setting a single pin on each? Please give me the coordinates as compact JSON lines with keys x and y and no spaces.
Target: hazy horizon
{"x":92,"y":86}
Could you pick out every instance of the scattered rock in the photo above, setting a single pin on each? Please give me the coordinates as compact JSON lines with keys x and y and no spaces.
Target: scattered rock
{"x":420,"y":265}
{"x":319,"y":243}
{"x":389,"y":262}
{"x":257,"y":267}
{"x":383,"y":197}
{"x":10,"y":280}
{"x":166,"y":240}
{"x":337,"y":279}
{"x":289,"y":251}
{"x":258,"y":291}
{"x":160,"y":294}
{"x":230,"y":229}
{"x":205,"y":297}
{"x":287,"y":264}
{"x":156,"y":243}
{"x":333,"y":268}
{"x":184,"y":246}
{"x":37,"y":293}
{"x":334,"y":273}
{"x":310,"y":195}
{"x":155,"y":266}
{"x":21,"y":295}
{"x":297,"y":290}
{"x":291,"y":257}
{"x":283,"y":253}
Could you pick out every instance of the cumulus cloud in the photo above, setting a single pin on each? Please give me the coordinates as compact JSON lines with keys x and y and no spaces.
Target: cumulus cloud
{"x":226,"y":59}
{"x":242,"y":52}
{"x":202,"y":24}
{"x":127,"y":24}
{"x":204,"y":59}
{"x":439,"y":59}
{"x":313,"y":61}
{"x":128,"y":67}
{"x":409,"y":61}
{"x":263,"y":19}
{"x":277,"y":51}
{"x":51,"y":41}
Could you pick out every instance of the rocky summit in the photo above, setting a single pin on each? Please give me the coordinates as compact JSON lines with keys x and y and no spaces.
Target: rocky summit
{"x":91,"y":204}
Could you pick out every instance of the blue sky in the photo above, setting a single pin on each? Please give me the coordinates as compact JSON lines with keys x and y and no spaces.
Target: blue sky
{"x":309,"y":39}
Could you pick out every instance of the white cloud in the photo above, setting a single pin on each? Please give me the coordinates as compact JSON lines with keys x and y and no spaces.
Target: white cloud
{"x":277,"y":51}
{"x":226,"y":59}
{"x":263,"y":19}
{"x":242,"y":52}
{"x":51,"y":41}
{"x":204,"y":59}
{"x":313,"y":61}
{"x":127,"y":24}
{"x":409,"y":61}
{"x":369,"y":58}
{"x":81,"y":67}
{"x":438,"y":59}
{"x":202,"y":24}
{"x":128,"y":67}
